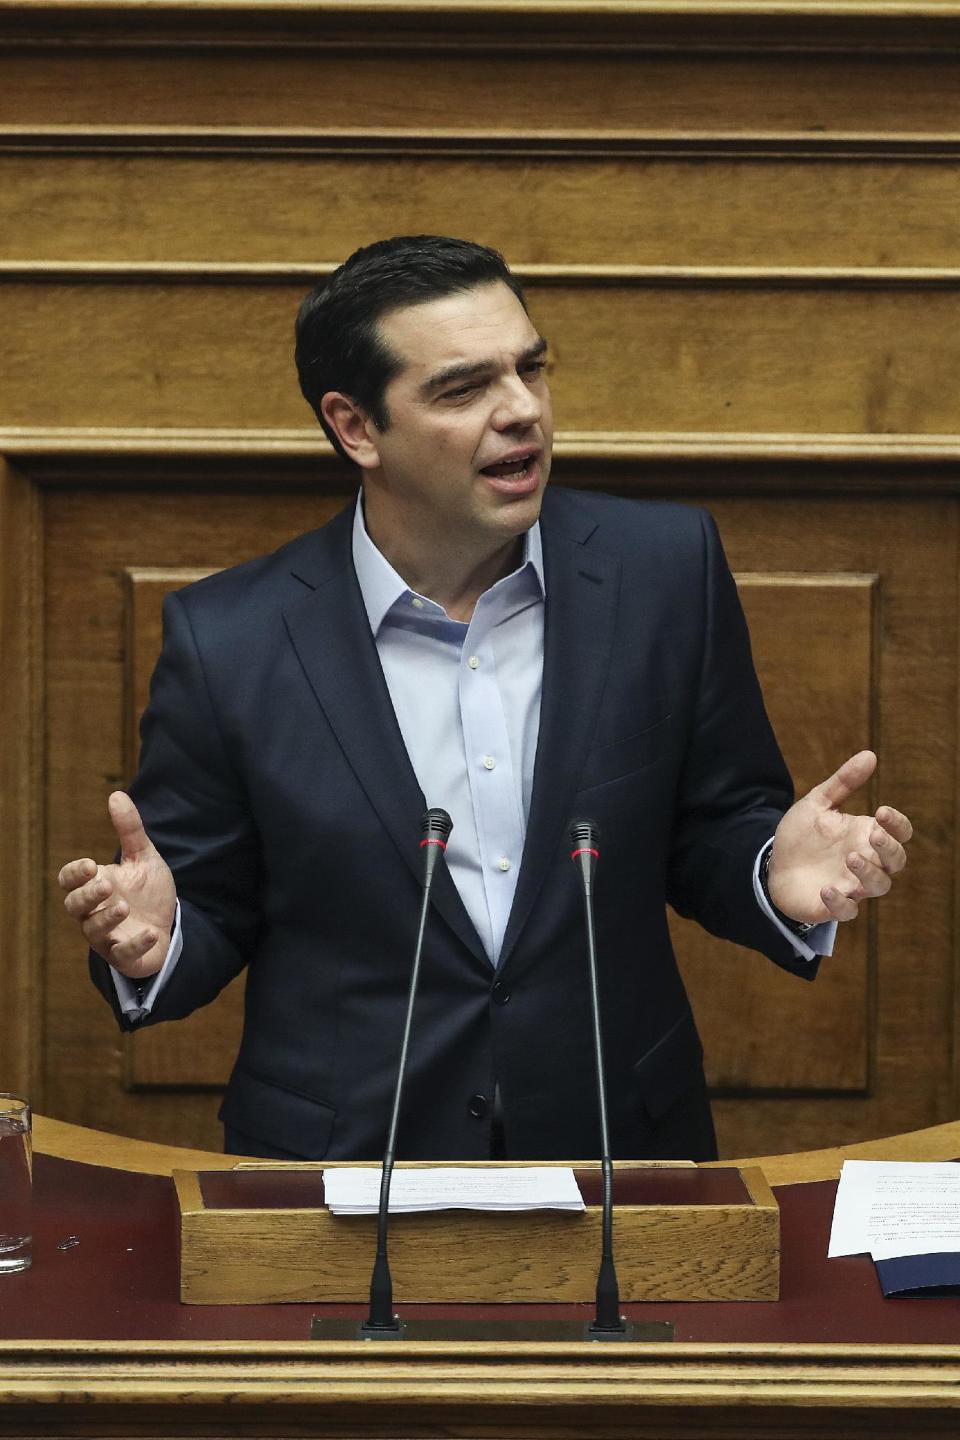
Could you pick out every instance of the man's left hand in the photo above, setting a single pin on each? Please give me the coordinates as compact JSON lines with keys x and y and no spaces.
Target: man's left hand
{"x":825,"y":862}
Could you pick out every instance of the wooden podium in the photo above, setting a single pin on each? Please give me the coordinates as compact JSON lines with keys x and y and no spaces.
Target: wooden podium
{"x":94,"y":1339}
{"x":261,"y":1234}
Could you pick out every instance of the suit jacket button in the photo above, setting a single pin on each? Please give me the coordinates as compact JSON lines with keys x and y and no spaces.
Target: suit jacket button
{"x":477,"y":1106}
{"x":500,"y":993}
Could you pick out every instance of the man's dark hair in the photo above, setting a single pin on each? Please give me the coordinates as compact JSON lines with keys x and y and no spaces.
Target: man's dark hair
{"x":339,"y":346}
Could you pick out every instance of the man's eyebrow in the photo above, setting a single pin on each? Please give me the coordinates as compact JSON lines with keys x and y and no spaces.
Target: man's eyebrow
{"x":465,"y":371}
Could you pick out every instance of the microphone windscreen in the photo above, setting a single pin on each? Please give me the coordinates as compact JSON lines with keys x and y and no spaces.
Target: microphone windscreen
{"x":584,"y":835}
{"x":436,"y":825}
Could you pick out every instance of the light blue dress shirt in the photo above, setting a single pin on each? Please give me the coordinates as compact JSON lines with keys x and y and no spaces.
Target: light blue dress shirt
{"x":467,"y":700}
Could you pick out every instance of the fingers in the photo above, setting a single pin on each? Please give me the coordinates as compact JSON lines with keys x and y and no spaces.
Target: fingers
{"x":839,"y":906}
{"x":92,"y":904}
{"x":98,"y":928}
{"x":83,"y":899}
{"x":872,"y":880}
{"x":124,"y":954}
{"x":103,"y":933}
{"x":851,"y":776}
{"x":889,"y":852}
{"x":895,"y":823}
{"x":77,"y":872}
{"x":875,"y":868}
{"x":880,"y":857}
{"x":98,"y":897}
{"x":128,"y":825}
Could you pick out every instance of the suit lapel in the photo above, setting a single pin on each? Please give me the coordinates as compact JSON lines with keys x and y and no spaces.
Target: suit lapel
{"x":581,"y":597}
{"x":328,"y":626}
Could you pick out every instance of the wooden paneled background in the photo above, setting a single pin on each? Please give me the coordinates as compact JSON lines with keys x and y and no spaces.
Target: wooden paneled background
{"x":739,"y":228}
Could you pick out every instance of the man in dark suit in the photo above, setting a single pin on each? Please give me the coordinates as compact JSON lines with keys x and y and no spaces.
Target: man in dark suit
{"x":461,"y":638}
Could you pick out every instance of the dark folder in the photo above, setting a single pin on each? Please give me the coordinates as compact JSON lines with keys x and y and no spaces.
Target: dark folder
{"x":912,"y":1277}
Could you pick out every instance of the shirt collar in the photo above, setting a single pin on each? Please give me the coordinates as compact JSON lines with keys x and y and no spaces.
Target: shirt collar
{"x":381,"y":586}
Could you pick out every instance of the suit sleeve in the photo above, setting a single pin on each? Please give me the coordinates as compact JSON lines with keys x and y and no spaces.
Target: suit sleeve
{"x":194,"y":809}
{"x":734,"y":785}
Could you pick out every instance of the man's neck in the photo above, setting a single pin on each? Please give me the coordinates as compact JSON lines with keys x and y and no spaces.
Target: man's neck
{"x":454,"y":576}
{"x":455,"y":586}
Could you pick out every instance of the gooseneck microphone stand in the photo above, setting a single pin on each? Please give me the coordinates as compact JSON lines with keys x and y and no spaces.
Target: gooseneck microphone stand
{"x":381,"y":1321}
{"x":608,"y":1323}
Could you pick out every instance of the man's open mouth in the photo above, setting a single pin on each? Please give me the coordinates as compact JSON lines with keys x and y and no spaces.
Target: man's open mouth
{"x":510,"y":469}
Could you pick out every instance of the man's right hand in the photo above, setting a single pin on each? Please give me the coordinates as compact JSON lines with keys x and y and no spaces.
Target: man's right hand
{"x":126,"y":911}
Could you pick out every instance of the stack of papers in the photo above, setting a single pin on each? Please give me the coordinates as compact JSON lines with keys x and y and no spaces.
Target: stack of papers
{"x":895,"y":1208}
{"x":356,"y":1190}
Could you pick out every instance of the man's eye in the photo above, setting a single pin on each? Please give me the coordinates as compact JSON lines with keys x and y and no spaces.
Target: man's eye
{"x":460,"y":393}
{"x":533,"y":368}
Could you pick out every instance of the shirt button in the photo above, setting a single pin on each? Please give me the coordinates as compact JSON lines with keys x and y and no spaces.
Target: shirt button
{"x":489,"y":763}
{"x":417,"y":604}
{"x":474,"y":662}
{"x":477,"y":1106}
{"x":504,"y":863}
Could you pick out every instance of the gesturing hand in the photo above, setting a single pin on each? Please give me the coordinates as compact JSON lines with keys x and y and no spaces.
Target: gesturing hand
{"x":125,"y":911}
{"x":825,"y":862}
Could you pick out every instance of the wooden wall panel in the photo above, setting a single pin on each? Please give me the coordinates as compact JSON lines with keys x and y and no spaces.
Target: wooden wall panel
{"x":820,"y":690}
{"x":144,"y":589}
{"x":814,"y":637}
{"x":437,"y":87}
{"x":679,"y":353}
{"x":912,"y":546}
{"x":731,"y":357}
{"x":276,"y":207}
{"x":21,"y":784}
{"x":739,"y":234}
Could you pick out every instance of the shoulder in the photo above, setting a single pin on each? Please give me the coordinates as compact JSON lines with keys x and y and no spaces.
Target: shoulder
{"x":630,"y":528}
{"x":299,"y":564}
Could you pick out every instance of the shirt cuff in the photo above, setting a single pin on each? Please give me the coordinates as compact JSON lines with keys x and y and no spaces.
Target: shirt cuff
{"x":818,"y":941}
{"x":137,"y":998}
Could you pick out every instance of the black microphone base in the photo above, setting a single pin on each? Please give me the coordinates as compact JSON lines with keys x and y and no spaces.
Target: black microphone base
{"x":370,"y":1330}
{"x":520,"y":1330}
{"x":623,"y":1330}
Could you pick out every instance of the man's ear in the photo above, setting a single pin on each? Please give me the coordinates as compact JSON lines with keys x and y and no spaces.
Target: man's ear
{"x":353,"y":428}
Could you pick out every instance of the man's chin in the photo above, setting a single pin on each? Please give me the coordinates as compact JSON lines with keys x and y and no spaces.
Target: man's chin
{"x":515,"y":517}
{"x":517,"y":507}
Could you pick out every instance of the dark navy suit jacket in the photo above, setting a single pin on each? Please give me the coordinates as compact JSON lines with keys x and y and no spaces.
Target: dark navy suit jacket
{"x":275,"y":781}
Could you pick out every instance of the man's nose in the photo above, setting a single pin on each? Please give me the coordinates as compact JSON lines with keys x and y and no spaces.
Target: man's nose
{"x":518,"y":405}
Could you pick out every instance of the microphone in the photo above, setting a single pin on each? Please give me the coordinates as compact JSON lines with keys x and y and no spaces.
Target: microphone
{"x":608,"y":1323}
{"x":585,"y":838}
{"x":381,"y":1320}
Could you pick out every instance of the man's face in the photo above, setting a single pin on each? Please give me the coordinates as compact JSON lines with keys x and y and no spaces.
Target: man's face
{"x":466,"y":454}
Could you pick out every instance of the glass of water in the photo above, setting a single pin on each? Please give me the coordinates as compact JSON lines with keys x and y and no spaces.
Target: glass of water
{"x":16,"y":1175}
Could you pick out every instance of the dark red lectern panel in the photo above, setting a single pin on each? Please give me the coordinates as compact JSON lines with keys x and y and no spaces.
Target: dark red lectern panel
{"x":120,"y":1279}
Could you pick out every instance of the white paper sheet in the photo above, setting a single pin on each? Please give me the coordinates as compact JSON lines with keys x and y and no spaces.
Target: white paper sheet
{"x":896,"y":1207}
{"x":356,"y":1190}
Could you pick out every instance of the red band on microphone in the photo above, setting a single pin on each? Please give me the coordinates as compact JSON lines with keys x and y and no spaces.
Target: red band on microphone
{"x":585,"y":850}
{"x":431,"y":841}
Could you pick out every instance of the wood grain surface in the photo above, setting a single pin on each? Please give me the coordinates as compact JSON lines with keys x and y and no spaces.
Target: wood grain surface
{"x":737,"y":222}
{"x":728,"y":210}
{"x":667,"y":1250}
{"x":148,"y":1157}
{"x":680,"y":352}
{"x":151,"y":422}
{"x":22,"y":863}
